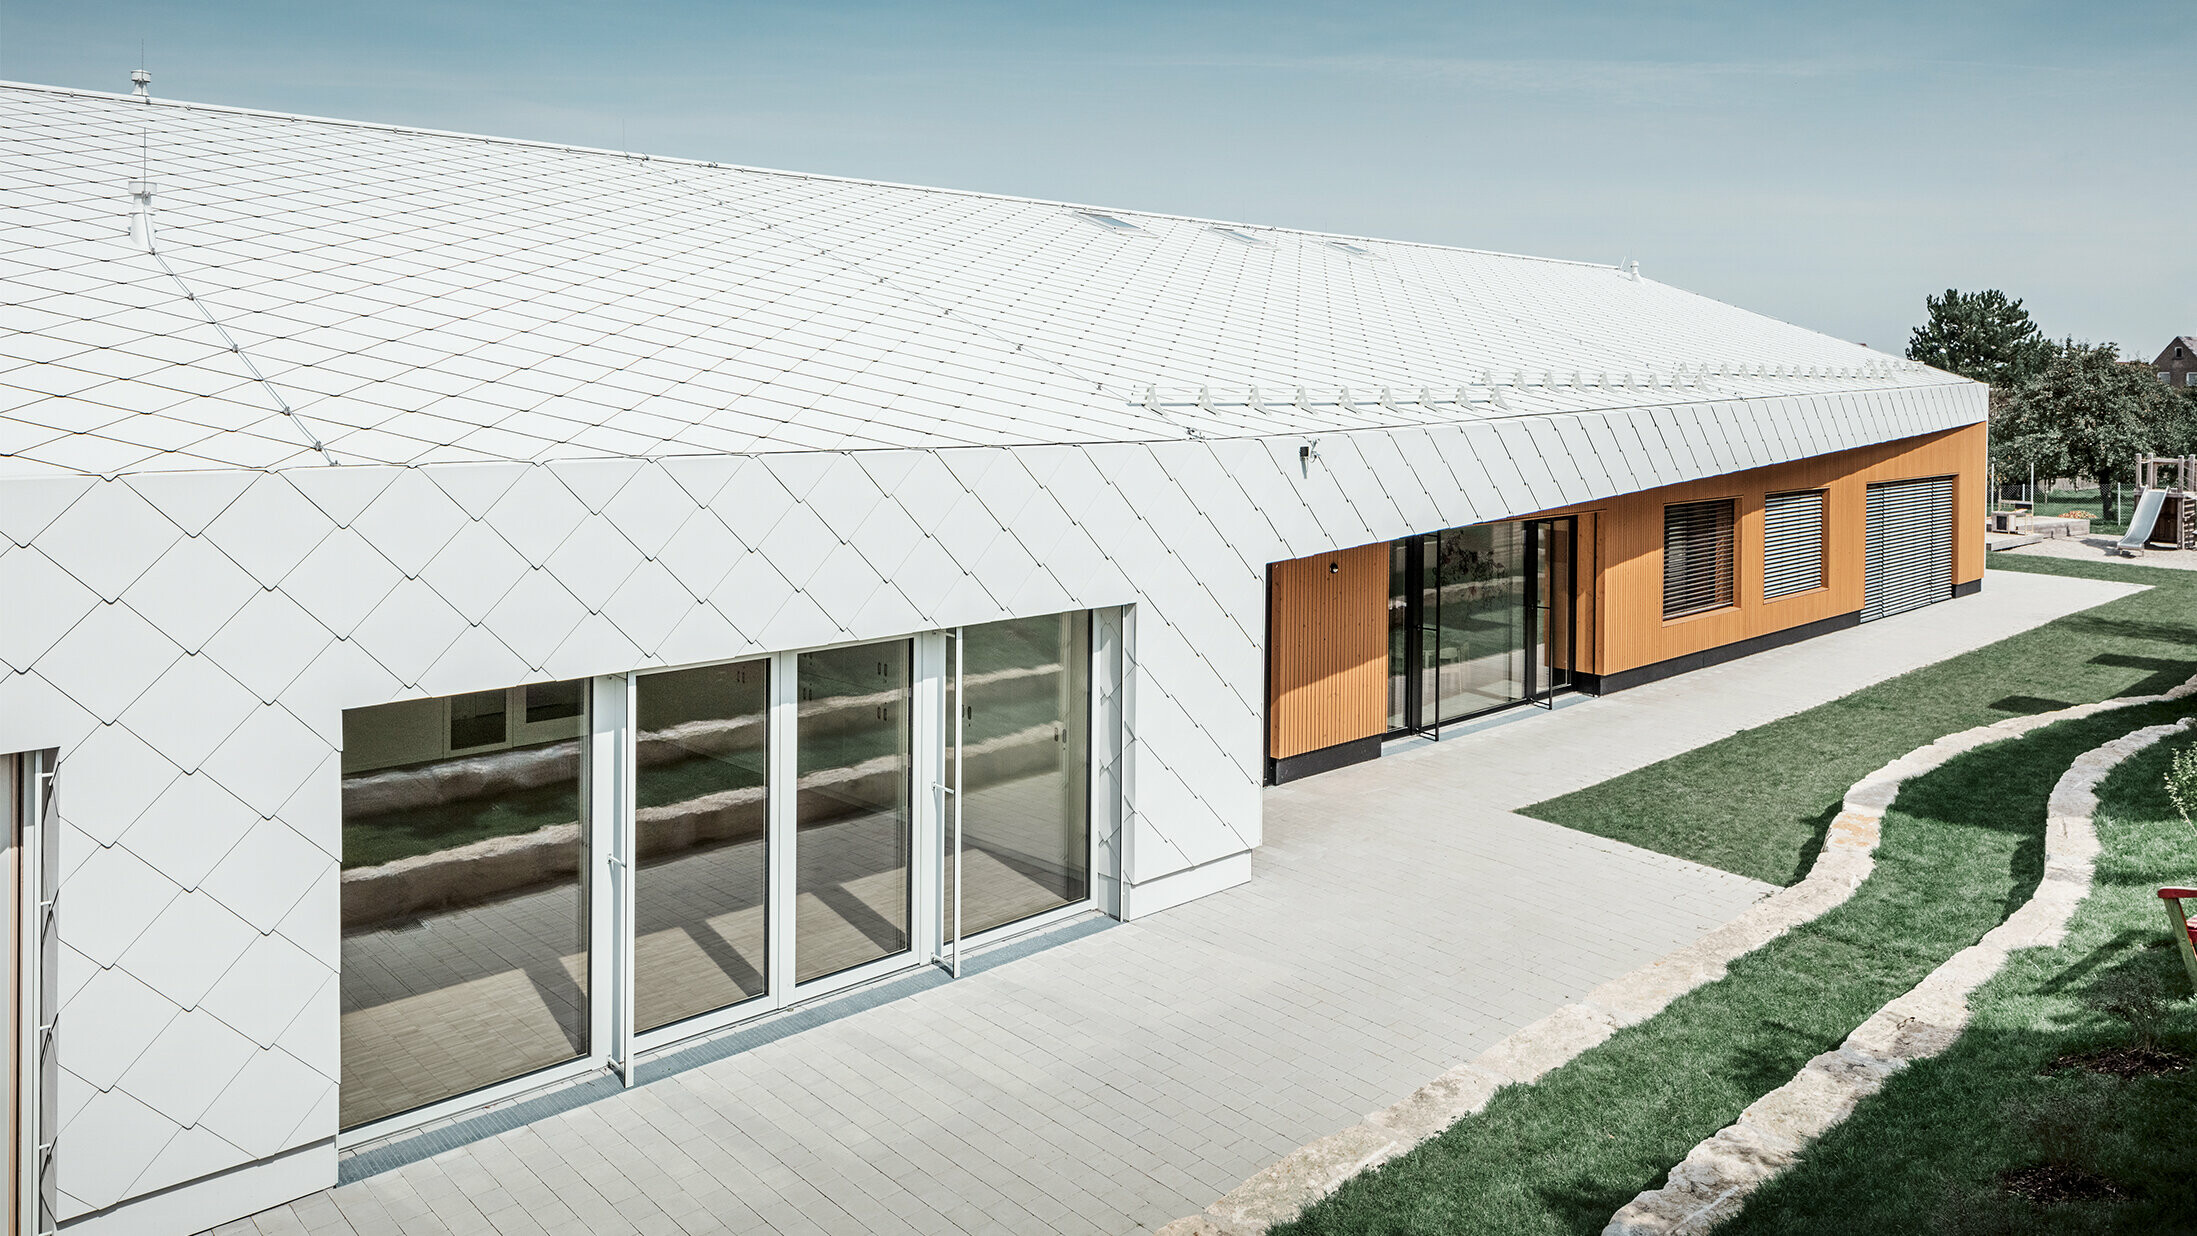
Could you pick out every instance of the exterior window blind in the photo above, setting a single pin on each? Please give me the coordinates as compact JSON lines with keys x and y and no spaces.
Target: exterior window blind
{"x":1792,"y":543}
{"x":1908,"y":558}
{"x":1697,"y":557}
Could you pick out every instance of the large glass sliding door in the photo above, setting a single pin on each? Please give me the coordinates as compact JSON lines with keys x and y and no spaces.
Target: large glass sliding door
{"x":1479,"y":586}
{"x":701,"y":841}
{"x":1017,"y":760}
{"x":852,"y":877}
{"x":1474,"y":620}
{"x":548,"y":879}
{"x":464,"y":896}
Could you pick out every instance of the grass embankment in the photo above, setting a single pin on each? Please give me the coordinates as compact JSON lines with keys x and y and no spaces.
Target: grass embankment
{"x":1933,"y":1150}
{"x":1758,"y":803}
{"x":1962,"y":846}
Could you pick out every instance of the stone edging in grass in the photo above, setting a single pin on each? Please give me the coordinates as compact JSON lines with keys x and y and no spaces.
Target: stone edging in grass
{"x":1311,"y":1172}
{"x":1715,"y":1179}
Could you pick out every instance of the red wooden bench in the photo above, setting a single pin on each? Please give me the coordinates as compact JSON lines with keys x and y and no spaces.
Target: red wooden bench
{"x":2185,"y":931}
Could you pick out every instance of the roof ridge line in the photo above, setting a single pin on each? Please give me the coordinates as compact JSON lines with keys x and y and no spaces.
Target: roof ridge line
{"x":718,"y":165}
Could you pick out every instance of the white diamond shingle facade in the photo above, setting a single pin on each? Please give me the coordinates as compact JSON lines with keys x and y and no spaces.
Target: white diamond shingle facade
{"x":591,"y":413}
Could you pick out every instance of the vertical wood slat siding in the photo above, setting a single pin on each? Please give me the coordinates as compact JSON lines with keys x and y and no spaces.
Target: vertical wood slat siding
{"x":1587,"y":642}
{"x":1327,"y":650}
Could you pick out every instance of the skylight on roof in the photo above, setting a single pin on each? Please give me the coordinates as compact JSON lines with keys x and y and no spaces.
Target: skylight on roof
{"x":1109,"y":222}
{"x":1246,"y":238}
{"x":1351,"y":249}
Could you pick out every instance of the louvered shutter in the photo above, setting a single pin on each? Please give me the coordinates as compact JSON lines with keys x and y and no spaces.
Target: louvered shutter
{"x":1792,"y":543}
{"x":1697,"y":557}
{"x":1909,"y":558}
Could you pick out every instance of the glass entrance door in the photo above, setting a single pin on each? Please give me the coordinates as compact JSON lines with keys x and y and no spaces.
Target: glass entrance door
{"x":1479,"y":618}
{"x":1553,"y":554}
{"x":1015,"y":836}
{"x":1481,"y":580}
{"x":701,"y":841}
{"x":855,"y":826}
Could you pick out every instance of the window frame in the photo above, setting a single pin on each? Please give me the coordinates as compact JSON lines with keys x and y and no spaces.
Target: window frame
{"x":609,"y":761}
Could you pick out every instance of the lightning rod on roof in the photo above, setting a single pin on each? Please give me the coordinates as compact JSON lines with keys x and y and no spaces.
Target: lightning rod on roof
{"x":141,"y":214}
{"x":141,"y":80}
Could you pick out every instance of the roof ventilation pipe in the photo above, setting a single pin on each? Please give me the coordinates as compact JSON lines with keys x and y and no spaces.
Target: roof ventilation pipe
{"x":141,"y":214}
{"x":141,"y":81}
{"x":1632,"y":270}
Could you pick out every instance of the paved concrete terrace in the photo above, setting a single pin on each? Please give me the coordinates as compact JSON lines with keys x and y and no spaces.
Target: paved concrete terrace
{"x":1402,"y":918}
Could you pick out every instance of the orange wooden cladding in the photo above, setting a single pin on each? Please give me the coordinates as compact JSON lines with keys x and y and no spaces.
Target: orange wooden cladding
{"x":1624,"y":552}
{"x":1327,"y":636}
{"x":1327,"y":668}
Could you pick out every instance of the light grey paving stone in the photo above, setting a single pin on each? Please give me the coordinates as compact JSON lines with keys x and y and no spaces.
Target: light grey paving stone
{"x":1402,"y":918}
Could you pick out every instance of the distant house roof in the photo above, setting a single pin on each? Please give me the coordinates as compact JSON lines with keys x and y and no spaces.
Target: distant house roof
{"x":417,"y":297}
{"x":2188,"y":344}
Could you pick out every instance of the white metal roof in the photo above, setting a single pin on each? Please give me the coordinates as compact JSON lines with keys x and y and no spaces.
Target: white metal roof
{"x":419,"y":297}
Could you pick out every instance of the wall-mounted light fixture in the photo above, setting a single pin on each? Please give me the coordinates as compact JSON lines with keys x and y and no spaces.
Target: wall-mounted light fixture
{"x":1334,"y":568}
{"x":1307,"y":453}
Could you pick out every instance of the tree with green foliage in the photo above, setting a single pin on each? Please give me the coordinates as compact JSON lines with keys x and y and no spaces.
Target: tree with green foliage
{"x":1980,"y":335}
{"x":2085,"y":413}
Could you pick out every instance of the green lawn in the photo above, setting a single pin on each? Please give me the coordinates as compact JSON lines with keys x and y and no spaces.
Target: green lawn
{"x":1961,"y":848}
{"x":1758,"y":803}
{"x":1927,"y":1152}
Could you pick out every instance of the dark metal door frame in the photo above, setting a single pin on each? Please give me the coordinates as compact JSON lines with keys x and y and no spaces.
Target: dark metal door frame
{"x":1417,"y":622}
{"x":1534,"y":696}
{"x":1536,"y":529}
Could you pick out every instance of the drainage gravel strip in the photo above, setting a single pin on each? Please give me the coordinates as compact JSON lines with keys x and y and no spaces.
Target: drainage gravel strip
{"x":1714,"y":1181}
{"x":1282,"y":1191}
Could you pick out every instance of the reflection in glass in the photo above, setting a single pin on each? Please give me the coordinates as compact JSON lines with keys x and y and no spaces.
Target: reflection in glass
{"x":1553,"y":604}
{"x":1025,"y":708}
{"x":851,"y":869}
{"x":553,"y":701}
{"x":464,"y":912}
{"x":1399,"y":632}
{"x":700,"y":822}
{"x":1478,"y":585}
{"x":1430,"y":628}
{"x":478,"y":720}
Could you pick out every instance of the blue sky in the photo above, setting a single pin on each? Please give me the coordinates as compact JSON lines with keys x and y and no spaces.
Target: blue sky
{"x":1824,"y":164}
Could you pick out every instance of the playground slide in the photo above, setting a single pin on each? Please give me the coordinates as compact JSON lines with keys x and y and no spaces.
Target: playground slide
{"x":2148,"y":503}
